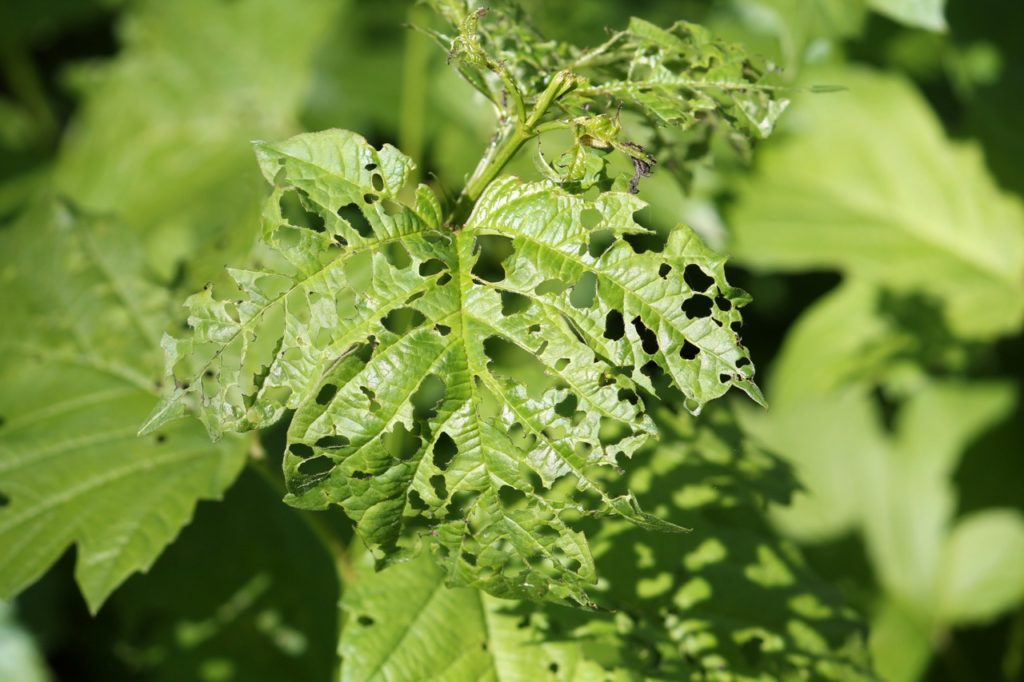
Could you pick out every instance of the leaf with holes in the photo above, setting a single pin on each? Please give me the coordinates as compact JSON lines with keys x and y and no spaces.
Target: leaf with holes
{"x":476,"y":383}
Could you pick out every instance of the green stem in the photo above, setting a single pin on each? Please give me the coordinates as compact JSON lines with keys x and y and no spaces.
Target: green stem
{"x":26,"y":84}
{"x":509,"y":144}
{"x":414,"y":92}
{"x":325,"y":534}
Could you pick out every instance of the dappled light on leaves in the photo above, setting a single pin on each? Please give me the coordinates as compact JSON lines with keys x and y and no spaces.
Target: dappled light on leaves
{"x":454,"y":363}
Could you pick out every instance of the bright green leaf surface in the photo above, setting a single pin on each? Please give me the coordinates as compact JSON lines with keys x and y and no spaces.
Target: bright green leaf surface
{"x":162,"y":138}
{"x":982,"y":562}
{"x":869,"y":184}
{"x":927,"y":14}
{"x":78,"y":365}
{"x":404,"y":625}
{"x":425,"y":391}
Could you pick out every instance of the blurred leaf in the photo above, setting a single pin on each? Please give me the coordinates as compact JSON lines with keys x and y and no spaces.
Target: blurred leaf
{"x":901,"y":645}
{"x":982,"y":563}
{"x":868,"y":184}
{"x":247,"y":589}
{"x":78,"y":365}
{"x":793,"y":32}
{"x":20,"y":660}
{"x":162,"y":136}
{"x":377,"y":326}
{"x":927,"y":14}
{"x":403,"y":624}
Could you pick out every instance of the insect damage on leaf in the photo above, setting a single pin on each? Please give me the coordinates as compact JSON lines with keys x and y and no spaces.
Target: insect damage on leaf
{"x":484,"y":404}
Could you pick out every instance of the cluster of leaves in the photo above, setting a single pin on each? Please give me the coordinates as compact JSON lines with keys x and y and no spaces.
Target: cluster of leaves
{"x":482,"y":377}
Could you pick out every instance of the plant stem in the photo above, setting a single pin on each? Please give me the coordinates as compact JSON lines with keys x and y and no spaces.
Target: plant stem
{"x":325,"y":534}
{"x":509,"y":144}
{"x":414,"y":92}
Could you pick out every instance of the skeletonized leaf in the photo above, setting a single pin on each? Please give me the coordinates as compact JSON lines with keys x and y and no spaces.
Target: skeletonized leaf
{"x":436,"y":391}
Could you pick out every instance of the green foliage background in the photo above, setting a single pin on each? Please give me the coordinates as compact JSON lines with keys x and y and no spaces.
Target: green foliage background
{"x":880,"y":232}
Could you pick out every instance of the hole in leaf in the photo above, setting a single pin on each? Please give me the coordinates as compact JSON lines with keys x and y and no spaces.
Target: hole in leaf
{"x":437,"y":482}
{"x":567,"y":407}
{"x":301,"y":450}
{"x":365,"y":621}
{"x":444,"y":450}
{"x":377,"y":181}
{"x":561,"y":364}
{"x":697,"y":305}
{"x":649,"y":340}
{"x":361,"y":475}
{"x":402,"y":320}
{"x":444,"y":279}
{"x":553,"y":667}
{"x":742,"y":362}
{"x":428,"y":397}
{"x":628,"y":396}
{"x":402,"y":443}
{"x":351,"y":214}
{"x":431,"y":267}
{"x":370,"y":198}
{"x":294,"y":209}
{"x":397,"y":255}
{"x":316,"y":465}
{"x":585,"y":291}
{"x":461,"y":502}
{"x":551,"y":286}
{"x":370,"y":166}
{"x":664,"y":270}
{"x":591,"y":218}
{"x":688,"y":351}
{"x":492,"y":250}
{"x":512,"y":303}
{"x":510,"y":496}
{"x":600,"y":241}
{"x":723,"y":303}
{"x":614,"y":325}
{"x":443,"y":329}
{"x":416,"y":502}
{"x":371,"y":398}
{"x":326,"y":394}
{"x":511,"y":361}
{"x":696,"y":278}
{"x":725,"y":378}
{"x":645,"y":241}
{"x":332,"y":442}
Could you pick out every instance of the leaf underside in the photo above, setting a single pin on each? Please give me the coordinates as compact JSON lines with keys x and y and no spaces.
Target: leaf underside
{"x":483,"y":402}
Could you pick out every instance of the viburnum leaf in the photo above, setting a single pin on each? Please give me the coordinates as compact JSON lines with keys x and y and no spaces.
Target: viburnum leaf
{"x":436,"y":390}
{"x":78,"y":362}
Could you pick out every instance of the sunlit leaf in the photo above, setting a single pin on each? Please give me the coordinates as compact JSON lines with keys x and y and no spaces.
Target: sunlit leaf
{"x":869,"y":184}
{"x":79,"y":366}
{"x":433,"y":387}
